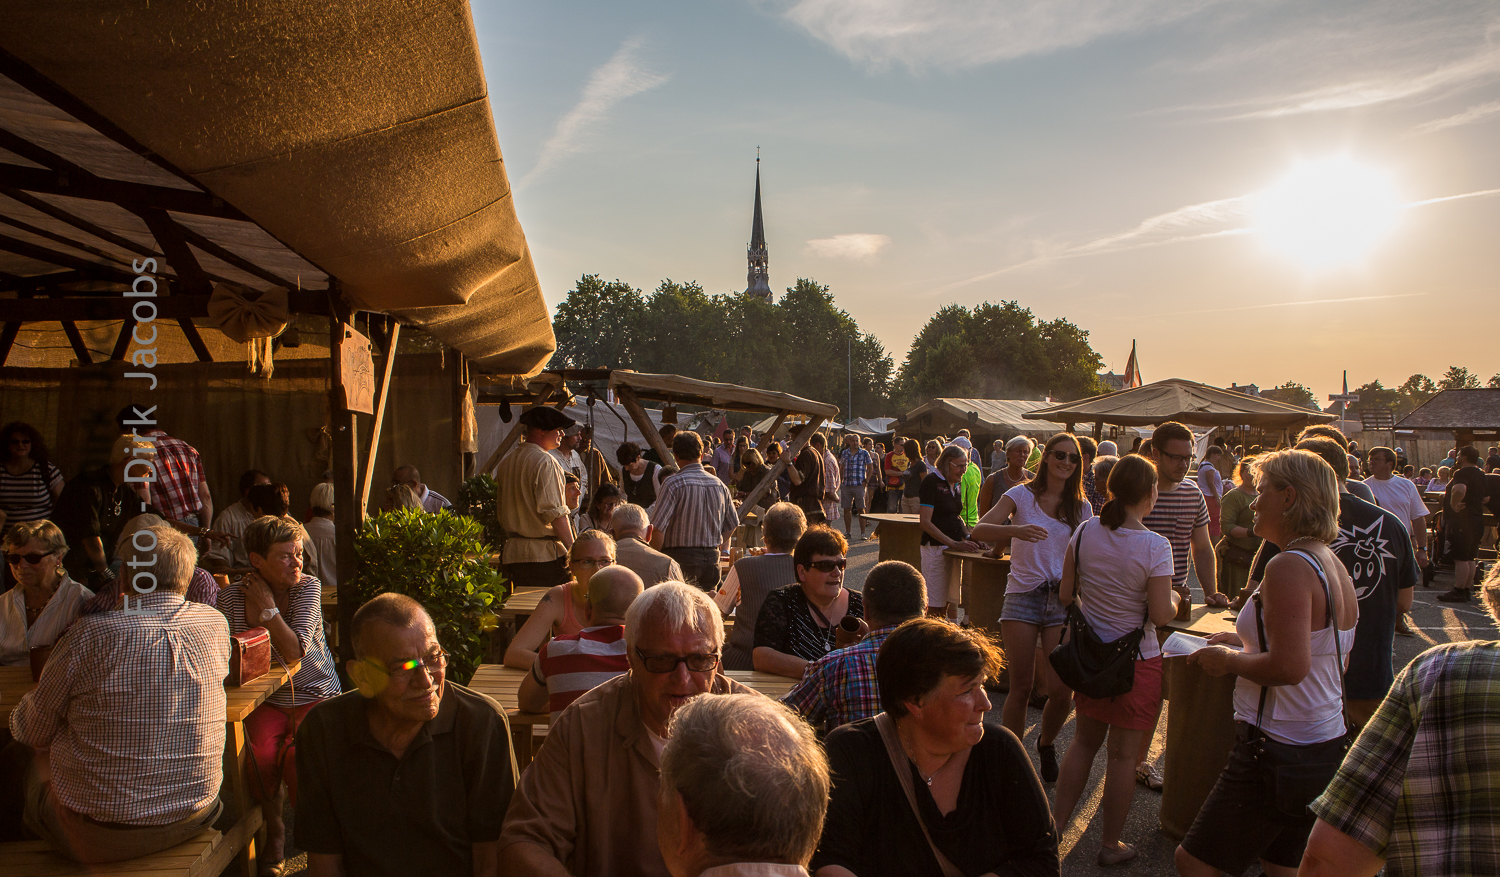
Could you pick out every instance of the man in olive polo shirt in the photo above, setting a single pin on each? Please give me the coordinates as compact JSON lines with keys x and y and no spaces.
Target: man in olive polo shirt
{"x":411,"y":774}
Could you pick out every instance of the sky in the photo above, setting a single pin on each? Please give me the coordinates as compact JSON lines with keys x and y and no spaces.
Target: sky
{"x":1253,"y":192}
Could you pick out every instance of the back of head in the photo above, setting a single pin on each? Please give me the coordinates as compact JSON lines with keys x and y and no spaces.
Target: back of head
{"x":916,"y":657}
{"x":1331,"y":453}
{"x":628,"y":519}
{"x":248,"y":479}
{"x":1323,"y":430}
{"x":627,"y":453}
{"x":911,"y":449}
{"x":612,"y":590}
{"x":1103,"y":465}
{"x":158,"y":559}
{"x":1169,"y":432}
{"x":1314,"y":512}
{"x":1130,"y":482}
{"x":678,"y":607}
{"x":783,"y":526}
{"x":1108,"y":448}
{"x":1468,"y":454}
{"x":399,"y":496}
{"x":687,"y":446}
{"x":752,"y":778}
{"x":894,"y":592}
{"x":396,"y":610}
{"x":268,"y":530}
{"x":270,"y":499}
{"x":1088,"y":446}
{"x":322,"y":498}
{"x":406,"y":474}
{"x":818,"y":441}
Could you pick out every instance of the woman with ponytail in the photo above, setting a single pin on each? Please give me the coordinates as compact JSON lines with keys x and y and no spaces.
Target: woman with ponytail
{"x":1122,"y":582}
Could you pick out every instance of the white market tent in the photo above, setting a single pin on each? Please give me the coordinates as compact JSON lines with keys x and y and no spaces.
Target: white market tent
{"x":1001,"y":418}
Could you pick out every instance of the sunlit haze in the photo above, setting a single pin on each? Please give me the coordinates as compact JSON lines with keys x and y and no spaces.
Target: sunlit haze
{"x":1253,"y":192}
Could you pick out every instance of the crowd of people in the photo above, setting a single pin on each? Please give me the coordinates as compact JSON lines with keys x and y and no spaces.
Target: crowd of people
{"x":882,"y":758}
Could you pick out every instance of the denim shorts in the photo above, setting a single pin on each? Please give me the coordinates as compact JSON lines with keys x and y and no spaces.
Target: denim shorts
{"x":1037,"y":606}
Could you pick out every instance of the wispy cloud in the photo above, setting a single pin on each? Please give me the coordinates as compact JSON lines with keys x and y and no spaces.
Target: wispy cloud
{"x":957,"y":34}
{"x":1472,"y":114}
{"x":1482,"y":193}
{"x":622,"y":76}
{"x":1378,"y":90}
{"x":1290,"y":304}
{"x":851,"y":247}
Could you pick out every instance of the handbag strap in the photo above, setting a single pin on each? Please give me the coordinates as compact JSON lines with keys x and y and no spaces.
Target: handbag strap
{"x":1331,"y":620}
{"x":1078,"y":583}
{"x":900,"y":762}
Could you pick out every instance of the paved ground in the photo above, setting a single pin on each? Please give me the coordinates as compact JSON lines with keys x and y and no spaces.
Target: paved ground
{"x":1434,"y":622}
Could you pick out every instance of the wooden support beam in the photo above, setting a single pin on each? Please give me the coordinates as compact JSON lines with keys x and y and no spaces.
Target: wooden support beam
{"x":127,"y":195}
{"x":64,"y":260}
{"x":800,"y":439}
{"x":79,"y":223}
{"x":224,"y":254}
{"x":643,"y":423}
{"x":62,"y":239}
{"x":385,"y":392}
{"x":195,"y":340}
{"x":122,"y":341}
{"x":180,"y":256}
{"x":113,"y":306}
{"x":770,"y":435}
{"x":514,"y":436}
{"x":7,"y":340}
{"x":79,"y":348}
{"x":348,"y":514}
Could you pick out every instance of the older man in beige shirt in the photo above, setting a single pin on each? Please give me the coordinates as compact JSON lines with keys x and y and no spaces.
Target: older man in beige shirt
{"x":587,"y":805}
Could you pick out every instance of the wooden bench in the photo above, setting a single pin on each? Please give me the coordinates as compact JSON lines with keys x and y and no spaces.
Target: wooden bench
{"x":206,"y":855}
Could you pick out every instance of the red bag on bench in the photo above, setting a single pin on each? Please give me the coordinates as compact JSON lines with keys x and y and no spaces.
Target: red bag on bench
{"x":249,"y":656}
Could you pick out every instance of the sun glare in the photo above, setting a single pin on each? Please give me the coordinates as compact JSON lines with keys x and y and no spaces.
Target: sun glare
{"x":1330,"y":212}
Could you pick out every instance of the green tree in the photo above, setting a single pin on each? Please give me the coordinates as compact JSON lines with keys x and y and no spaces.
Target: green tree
{"x":1458,"y":378}
{"x":598,"y":325}
{"x":1293,"y":393}
{"x":1415,"y":390}
{"x":1376,"y":397}
{"x":1494,"y":382}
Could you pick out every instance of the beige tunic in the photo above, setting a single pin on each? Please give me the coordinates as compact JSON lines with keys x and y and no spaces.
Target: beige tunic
{"x":530,"y":498}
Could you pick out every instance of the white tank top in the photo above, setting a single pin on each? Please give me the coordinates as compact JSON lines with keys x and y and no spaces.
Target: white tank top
{"x":1034,"y":563}
{"x":1312,"y":711}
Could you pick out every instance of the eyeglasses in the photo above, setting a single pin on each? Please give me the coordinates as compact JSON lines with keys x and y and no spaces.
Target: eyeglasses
{"x":1178,"y":458}
{"x":667,"y":663}
{"x":33,"y":559}
{"x":1065,"y":457}
{"x":828,"y":565}
{"x":404,"y":670}
{"x":593,"y":562}
{"x":20,"y":441}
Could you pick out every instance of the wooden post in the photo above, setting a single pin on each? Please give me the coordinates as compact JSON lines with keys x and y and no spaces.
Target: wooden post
{"x":385,"y":392}
{"x":348,"y":513}
{"x":770,"y":434}
{"x":514,"y":435}
{"x":803,"y":435}
{"x":643,"y":423}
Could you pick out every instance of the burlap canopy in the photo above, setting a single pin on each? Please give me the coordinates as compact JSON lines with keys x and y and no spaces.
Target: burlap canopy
{"x":1183,"y":401}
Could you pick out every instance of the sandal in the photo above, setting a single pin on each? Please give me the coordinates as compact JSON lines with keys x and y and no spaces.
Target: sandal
{"x":1147,"y":776}
{"x":1117,"y":856}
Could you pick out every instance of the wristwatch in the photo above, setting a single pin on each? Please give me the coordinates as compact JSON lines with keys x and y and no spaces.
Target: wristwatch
{"x":269,"y":614}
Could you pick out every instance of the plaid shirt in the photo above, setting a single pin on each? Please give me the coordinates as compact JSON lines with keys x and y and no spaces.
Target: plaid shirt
{"x":1421,"y":787}
{"x":179,"y":470}
{"x":839,"y":687}
{"x":856,"y":466}
{"x":1092,"y":492}
{"x":132,"y":706}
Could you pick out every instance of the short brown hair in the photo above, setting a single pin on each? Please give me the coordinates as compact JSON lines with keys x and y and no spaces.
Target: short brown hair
{"x":1170,"y":431}
{"x":917,"y":655}
{"x":270,"y":530}
{"x":43,"y":531}
{"x":821,"y":539}
{"x":1336,"y":457}
{"x":686,"y":445}
{"x":1323,"y":430}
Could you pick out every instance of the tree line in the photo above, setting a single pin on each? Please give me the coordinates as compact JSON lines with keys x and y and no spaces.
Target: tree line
{"x":803,"y":344}
{"x":1399,"y":400}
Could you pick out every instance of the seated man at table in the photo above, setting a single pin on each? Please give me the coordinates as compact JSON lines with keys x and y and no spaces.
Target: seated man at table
{"x":744,"y":785}
{"x":632,"y":528}
{"x":587,"y":804}
{"x":410,"y":774}
{"x":568,"y":666}
{"x":128,"y":719}
{"x":839,"y":687}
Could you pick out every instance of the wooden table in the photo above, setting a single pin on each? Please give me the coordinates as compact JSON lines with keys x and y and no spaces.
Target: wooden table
{"x":983,"y":592}
{"x":1200,"y":725}
{"x":504,"y":685}
{"x":900,"y":537}
{"x":521,"y":604}
{"x":249,"y":822}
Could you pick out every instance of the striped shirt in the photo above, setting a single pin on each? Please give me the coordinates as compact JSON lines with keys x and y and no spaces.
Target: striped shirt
{"x":28,"y":496}
{"x":318,"y":677}
{"x":17,"y":640}
{"x":132,"y":706}
{"x":1178,"y":513}
{"x":840,"y":687}
{"x":694,"y":509}
{"x":572,"y":665}
{"x":1421,"y":786}
{"x":179,"y":471}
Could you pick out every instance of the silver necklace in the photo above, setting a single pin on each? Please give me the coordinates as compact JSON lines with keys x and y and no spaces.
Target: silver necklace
{"x":926,"y":779}
{"x":1302,"y":539}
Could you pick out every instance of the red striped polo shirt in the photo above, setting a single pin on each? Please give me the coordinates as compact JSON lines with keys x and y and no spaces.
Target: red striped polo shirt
{"x":571,"y":665}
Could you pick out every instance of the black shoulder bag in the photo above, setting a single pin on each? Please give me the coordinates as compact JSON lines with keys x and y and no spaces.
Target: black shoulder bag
{"x":1084,"y":662}
{"x":1296,"y":775}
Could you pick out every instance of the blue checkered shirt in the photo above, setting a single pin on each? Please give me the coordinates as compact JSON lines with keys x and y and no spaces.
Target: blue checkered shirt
{"x":856,"y":466}
{"x":840,"y":687}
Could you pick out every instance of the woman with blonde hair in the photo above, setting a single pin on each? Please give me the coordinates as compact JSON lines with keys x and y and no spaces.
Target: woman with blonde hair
{"x":1289,"y":650}
{"x":45,"y":601}
{"x":562,"y":610}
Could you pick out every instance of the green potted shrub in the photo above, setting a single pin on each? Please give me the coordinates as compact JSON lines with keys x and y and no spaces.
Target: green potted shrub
{"x":441,"y":561}
{"x":476,"y":499}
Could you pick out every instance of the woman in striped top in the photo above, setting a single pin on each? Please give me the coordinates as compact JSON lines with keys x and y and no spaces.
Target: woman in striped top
{"x":29,"y":483}
{"x":278,"y":597}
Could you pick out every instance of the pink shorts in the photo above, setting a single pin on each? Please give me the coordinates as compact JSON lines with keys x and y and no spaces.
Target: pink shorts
{"x":1133,"y":711}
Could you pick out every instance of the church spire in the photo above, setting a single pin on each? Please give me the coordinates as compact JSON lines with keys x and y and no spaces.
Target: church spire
{"x":758,"y":278}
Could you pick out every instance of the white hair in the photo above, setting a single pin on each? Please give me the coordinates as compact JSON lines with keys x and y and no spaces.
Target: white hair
{"x":679,"y":606}
{"x":1019,"y":441}
{"x":629,"y":517}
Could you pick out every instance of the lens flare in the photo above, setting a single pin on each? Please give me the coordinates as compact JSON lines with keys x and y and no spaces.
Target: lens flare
{"x":1328,"y":213}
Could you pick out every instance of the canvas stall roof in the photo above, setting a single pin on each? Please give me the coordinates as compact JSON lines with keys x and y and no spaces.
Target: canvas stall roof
{"x":1183,"y":401}
{"x":707,"y":394}
{"x":278,"y":145}
{"x":870,"y":425}
{"x":1456,"y":409}
{"x":1008,"y":416}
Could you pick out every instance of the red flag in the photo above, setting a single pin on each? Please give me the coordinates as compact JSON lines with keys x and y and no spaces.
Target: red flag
{"x":723,"y":426}
{"x":1132,"y":370}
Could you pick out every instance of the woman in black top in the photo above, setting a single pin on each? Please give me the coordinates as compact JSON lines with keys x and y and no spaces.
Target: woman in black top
{"x":973,"y":784}
{"x":942,"y":525}
{"x":800,"y":623}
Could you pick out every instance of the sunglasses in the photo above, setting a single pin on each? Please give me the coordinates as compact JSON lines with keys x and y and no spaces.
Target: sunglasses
{"x":1065,"y":457}
{"x":33,"y":559}
{"x":828,"y":565}
{"x":667,"y":663}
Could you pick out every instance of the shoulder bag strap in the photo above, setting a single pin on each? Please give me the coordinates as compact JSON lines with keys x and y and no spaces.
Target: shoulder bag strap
{"x":901,"y":763}
{"x":1332,"y":621}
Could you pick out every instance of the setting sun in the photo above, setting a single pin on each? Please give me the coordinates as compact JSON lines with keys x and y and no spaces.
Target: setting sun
{"x":1328,"y":212}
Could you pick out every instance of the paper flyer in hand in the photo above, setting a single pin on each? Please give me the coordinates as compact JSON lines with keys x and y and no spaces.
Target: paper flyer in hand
{"x":1180,"y":644}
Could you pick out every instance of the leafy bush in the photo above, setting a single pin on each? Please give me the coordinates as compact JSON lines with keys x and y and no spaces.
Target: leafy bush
{"x":439,"y":560}
{"x":476,"y":499}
